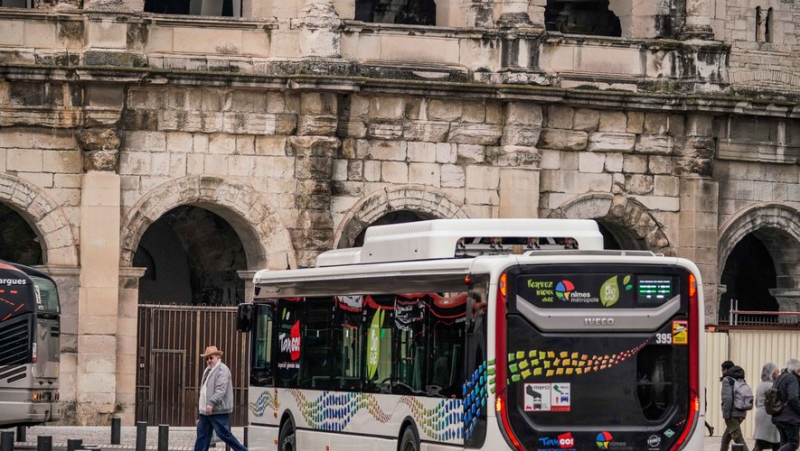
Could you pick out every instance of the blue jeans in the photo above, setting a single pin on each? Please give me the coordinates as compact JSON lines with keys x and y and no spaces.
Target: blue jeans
{"x":219,"y":423}
{"x":789,"y":436}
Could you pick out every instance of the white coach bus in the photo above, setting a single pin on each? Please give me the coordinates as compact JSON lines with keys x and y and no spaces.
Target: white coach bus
{"x":478,"y":334}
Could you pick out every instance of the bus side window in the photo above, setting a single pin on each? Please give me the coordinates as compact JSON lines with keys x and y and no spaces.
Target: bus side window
{"x":412,"y":344}
{"x":349,"y":334}
{"x":290,"y":315}
{"x":261,"y":371}
{"x":379,"y":316}
{"x":448,"y":339}
{"x":316,"y":360}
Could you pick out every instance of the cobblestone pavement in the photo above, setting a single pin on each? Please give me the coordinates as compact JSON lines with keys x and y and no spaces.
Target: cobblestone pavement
{"x":180,"y":438}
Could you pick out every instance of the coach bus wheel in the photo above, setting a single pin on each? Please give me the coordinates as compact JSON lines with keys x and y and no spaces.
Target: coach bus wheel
{"x":409,"y":442}
{"x":287,"y":438}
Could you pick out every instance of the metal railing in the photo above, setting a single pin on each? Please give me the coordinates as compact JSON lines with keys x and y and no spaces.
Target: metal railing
{"x":762,"y":318}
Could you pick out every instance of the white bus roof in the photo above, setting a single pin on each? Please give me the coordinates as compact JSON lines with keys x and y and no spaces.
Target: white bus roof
{"x":442,"y":238}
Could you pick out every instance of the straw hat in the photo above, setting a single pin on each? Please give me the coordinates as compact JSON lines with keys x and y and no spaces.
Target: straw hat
{"x":211,"y":350}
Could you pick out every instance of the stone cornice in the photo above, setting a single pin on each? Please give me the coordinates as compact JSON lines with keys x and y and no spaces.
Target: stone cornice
{"x":694,"y":102}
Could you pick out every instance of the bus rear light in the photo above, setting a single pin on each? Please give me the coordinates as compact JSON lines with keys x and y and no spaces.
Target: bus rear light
{"x":501,"y":362}
{"x":694,"y":362}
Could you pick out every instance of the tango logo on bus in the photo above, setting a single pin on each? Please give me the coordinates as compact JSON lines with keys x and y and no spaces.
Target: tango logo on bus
{"x":563,"y":441}
{"x":292,"y":342}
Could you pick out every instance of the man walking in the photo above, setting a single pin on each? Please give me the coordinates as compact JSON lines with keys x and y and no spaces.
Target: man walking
{"x":216,"y":403}
{"x":788,"y":419}
{"x":733,"y":416}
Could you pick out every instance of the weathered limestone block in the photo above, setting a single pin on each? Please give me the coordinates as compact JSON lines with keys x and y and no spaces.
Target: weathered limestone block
{"x":317,"y":125}
{"x":388,"y":130}
{"x":639,"y":184}
{"x":386,"y":107}
{"x":421,"y":152}
{"x":100,"y":148}
{"x":453,"y":176}
{"x":611,"y":142}
{"x":312,"y":146}
{"x":483,"y":134}
{"x":513,"y":156}
{"x":591,"y":162}
{"x":387,"y":150}
{"x":613,"y":121}
{"x":319,"y":34}
{"x":651,"y":144}
{"x":563,"y":140}
{"x":519,"y":113}
{"x":660,"y":164}
{"x":445,"y":110}
{"x":426,"y":131}
{"x":586,"y":120}
{"x":521,"y":135}
{"x":634,"y":164}
{"x":560,"y":117}
{"x":471,"y":154}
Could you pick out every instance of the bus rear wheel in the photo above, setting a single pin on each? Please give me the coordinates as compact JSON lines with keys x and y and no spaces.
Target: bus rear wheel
{"x":287,"y":440}
{"x":409,"y":442}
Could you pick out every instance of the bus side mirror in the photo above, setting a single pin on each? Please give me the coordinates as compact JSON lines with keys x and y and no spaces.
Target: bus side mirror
{"x":244,"y":317}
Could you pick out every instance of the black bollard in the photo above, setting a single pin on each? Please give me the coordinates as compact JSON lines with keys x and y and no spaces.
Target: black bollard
{"x":737,"y":447}
{"x":7,"y":441}
{"x":245,"y":437}
{"x":74,"y":444}
{"x":163,"y":437}
{"x":116,"y":426}
{"x":141,"y":435}
{"x":44,"y":443}
{"x":21,"y":430}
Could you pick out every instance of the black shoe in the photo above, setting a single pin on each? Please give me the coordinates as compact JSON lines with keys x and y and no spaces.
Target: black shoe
{"x":711,"y":431}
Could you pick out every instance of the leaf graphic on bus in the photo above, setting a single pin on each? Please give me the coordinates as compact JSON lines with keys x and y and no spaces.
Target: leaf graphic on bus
{"x":374,"y":343}
{"x":609,"y":292}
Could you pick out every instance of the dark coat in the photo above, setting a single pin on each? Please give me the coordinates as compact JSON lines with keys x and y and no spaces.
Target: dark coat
{"x":788,"y":389}
{"x":728,"y":410}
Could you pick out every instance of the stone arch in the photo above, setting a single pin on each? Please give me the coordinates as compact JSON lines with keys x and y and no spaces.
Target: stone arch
{"x":417,"y":198}
{"x":45,"y":217}
{"x":266,"y":240}
{"x":778,"y":228}
{"x":627,"y":220}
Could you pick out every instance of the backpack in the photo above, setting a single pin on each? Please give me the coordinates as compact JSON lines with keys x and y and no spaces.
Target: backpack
{"x":772,"y":399}
{"x":742,"y":395}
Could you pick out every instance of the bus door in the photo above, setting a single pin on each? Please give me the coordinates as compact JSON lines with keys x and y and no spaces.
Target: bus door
{"x":600,"y":356}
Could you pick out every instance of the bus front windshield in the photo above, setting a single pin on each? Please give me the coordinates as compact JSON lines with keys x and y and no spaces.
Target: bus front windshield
{"x":46,"y":294}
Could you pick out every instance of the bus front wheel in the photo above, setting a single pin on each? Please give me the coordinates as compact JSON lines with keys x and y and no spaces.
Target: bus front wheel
{"x":409,"y":442}
{"x":287,"y":440}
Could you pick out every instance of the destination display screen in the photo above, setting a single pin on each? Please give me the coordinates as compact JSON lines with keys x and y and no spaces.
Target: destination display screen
{"x":596,"y":290}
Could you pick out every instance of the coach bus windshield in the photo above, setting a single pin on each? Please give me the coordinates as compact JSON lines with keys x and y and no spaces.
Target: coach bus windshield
{"x":47,"y":294}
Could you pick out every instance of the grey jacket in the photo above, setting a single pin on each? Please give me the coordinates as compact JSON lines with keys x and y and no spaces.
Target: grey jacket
{"x":728,"y":410}
{"x":219,"y":391}
{"x":789,"y":390}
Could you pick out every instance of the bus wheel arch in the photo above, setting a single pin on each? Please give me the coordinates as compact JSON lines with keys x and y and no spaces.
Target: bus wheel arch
{"x":408,"y":425}
{"x":287,"y":430}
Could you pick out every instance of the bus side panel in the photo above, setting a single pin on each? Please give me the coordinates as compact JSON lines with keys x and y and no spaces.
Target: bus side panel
{"x":263,"y":406}
{"x":262,"y":438}
{"x":436,"y":419}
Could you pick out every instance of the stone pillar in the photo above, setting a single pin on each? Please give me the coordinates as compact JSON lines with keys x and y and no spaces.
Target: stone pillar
{"x":320,"y":30}
{"x":519,"y":192}
{"x":698,"y":20}
{"x":69,"y":283}
{"x":698,"y":233}
{"x":314,"y":151}
{"x":127,"y":331}
{"x":477,"y":13}
{"x":788,"y":301}
{"x":247,"y":276}
{"x":98,"y":305}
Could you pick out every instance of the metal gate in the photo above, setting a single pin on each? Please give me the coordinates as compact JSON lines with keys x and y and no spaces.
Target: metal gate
{"x":170,"y":341}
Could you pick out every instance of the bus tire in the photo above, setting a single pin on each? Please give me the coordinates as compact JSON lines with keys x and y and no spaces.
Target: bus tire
{"x":409,"y":441}
{"x":287,"y":439}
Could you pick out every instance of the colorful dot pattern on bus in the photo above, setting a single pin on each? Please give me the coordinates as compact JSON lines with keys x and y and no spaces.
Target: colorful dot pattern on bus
{"x":548,"y":363}
{"x":475,"y":393}
{"x":333,"y":411}
{"x":266,"y":399}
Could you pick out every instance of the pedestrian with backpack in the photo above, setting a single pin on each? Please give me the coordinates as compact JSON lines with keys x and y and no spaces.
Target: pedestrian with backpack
{"x":787,"y":416}
{"x":737,"y":399}
{"x":765,"y":434}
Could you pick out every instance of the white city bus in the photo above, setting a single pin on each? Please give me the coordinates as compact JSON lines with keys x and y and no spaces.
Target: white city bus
{"x":478,"y":334}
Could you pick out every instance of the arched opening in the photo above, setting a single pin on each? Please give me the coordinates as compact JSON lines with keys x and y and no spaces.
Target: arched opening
{"x":18,"y":241}
{"x":395,"y":217}
{"x":192,"y":257}
{"x":592,"y":17}
{"x":408,"y":12}
{"x":748,"y":276}
{"x":224,"y":8}
{"x":610,"y":241}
